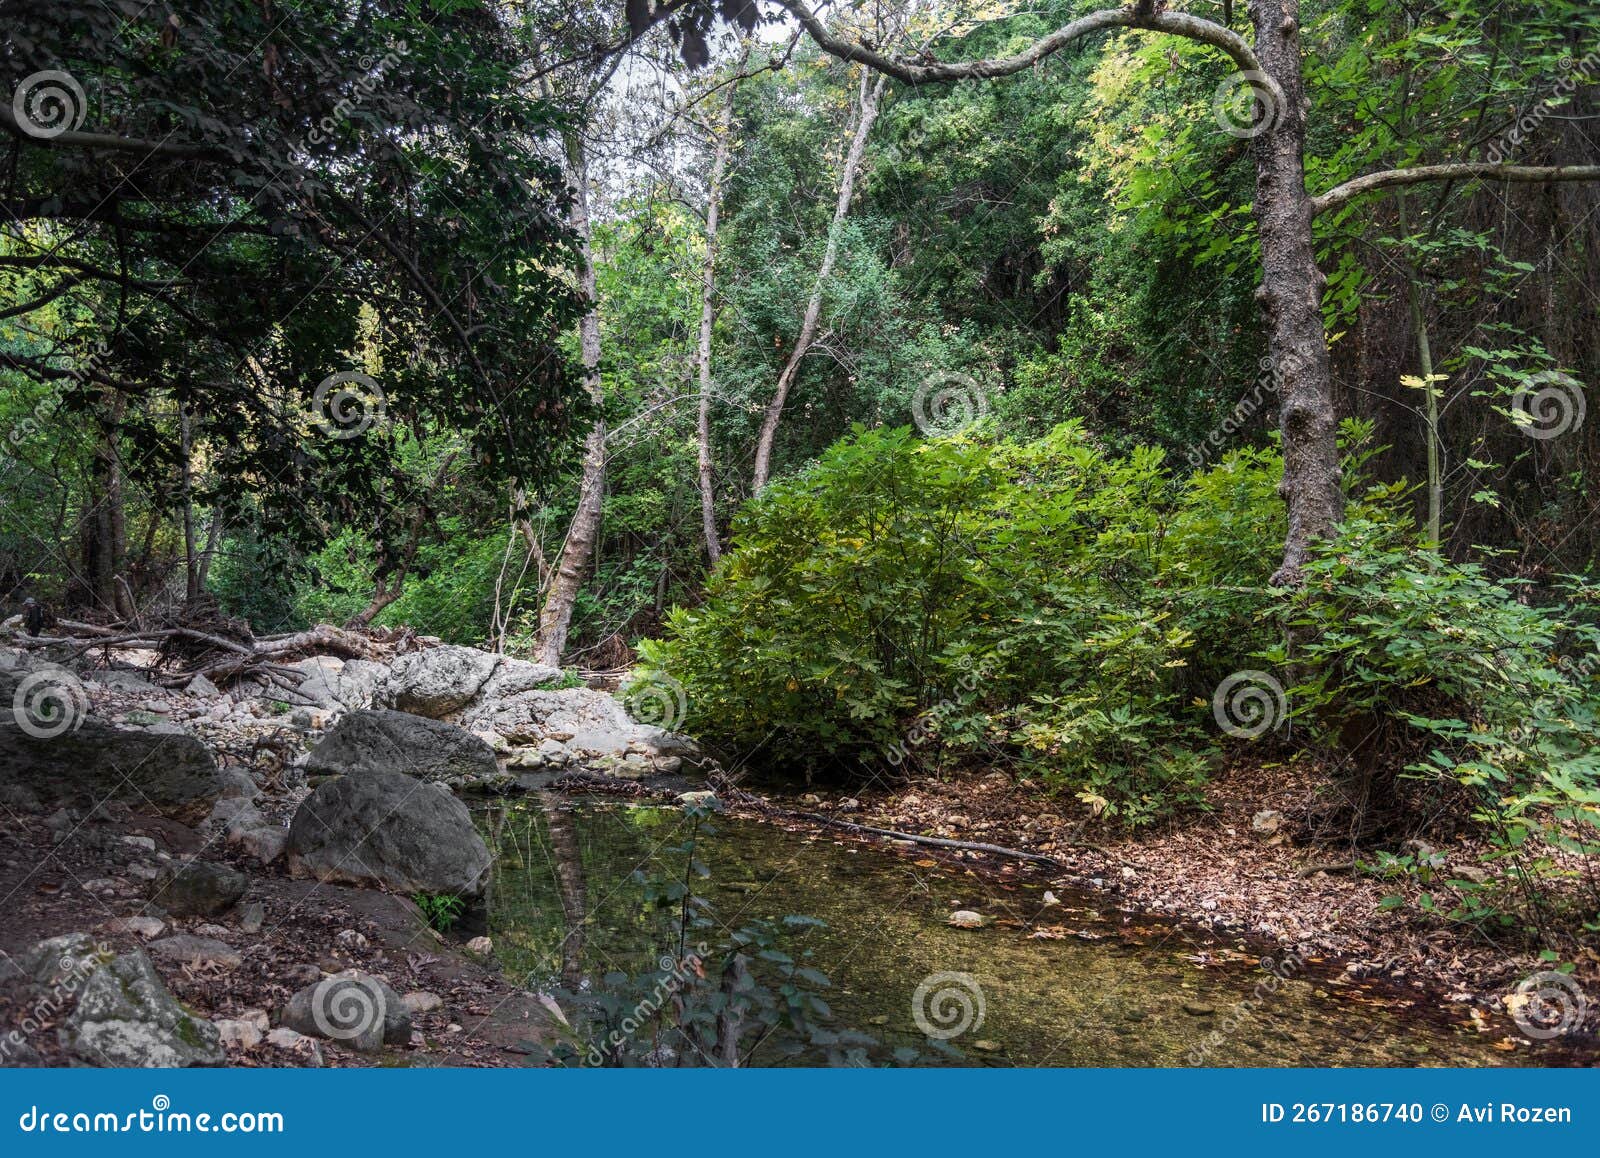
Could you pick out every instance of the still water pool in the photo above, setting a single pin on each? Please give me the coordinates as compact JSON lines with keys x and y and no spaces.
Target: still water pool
{"x":1077,"y":983}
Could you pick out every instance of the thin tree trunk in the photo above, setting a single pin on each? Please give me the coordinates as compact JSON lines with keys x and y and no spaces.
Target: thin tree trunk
{"x":583,"y":534}
{"x":708,"y":494}
{"x":191,"y":563}
{"x":1291,"y":295}
{"x":871,"y":91}
{"x":1430,"y":393}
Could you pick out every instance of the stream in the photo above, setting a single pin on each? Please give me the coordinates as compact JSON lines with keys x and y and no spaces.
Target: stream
{"x":1076,"y":983}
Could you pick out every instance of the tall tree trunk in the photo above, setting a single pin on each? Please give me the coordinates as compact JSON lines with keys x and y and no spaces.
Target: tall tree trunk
{"x":577,"y":552}
{"x":867,"y":102}
{"x":719,"y":165}
{"x":104,"y":524}
{"x":1291,"y":294}
{"x":191,"y":562}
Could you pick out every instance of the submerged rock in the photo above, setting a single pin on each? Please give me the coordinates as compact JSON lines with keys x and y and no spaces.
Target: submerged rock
{"x":389,"y":829}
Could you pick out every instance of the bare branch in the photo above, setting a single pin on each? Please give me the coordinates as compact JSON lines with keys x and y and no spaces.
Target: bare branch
{"x":76,"y":140}
{"x":1141,"y":15}
{"x":1465,"y":170}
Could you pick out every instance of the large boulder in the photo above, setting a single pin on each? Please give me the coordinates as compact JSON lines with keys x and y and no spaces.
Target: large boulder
{"x":126,"y":1017}
{"x":198,"y":888}
{"x":437,"y":681}
{"x":351,"y":1007}
{"x":401,"y":742}
{"x":97,"y":763}
{"x":386,"y":828}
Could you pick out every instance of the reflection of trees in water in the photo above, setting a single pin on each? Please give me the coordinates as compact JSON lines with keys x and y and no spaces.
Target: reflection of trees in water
{"x":567,"y":859}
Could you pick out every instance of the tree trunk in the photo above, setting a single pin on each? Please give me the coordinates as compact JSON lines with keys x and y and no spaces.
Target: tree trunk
{"x":577,"y":552}
{"x":1291,"y":294}
{"x":708,"y":494}
{"x":191,"y":562}
{"x":867,"y":101}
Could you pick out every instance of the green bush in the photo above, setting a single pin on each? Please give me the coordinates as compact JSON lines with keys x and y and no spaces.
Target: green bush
{"x":1041,"y":604}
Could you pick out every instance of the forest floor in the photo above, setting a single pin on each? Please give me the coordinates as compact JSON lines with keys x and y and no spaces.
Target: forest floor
{"x":1293,"y":888}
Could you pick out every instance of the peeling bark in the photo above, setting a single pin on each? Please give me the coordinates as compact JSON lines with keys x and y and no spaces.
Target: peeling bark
{"x":583,"y":534}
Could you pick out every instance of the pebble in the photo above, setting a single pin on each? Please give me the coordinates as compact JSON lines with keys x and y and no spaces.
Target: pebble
{"x":483,"y":946}
{"x":421,"y":1001}
{"x":965,"y":919}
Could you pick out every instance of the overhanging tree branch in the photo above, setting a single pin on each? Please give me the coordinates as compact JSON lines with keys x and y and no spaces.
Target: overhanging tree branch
{"x":1465,"y":170}
{"x":1142,"y":15}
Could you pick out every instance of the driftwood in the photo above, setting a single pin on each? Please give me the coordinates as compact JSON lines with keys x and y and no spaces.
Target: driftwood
{"x":223,"y":650}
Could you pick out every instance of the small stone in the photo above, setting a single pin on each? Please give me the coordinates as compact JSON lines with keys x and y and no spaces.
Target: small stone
{"x":1208,"y":905}
{"x":237,"y":1033}
{"x":350,"y":939}
{"x":1129,"y":873}
{"x":187,"y":949}
{"x":1199,"y":1009}
{"x":811,"y":798}
{"x":289,"y":1041}
{"x":146,"y":927}
{"x":699,"y":800}
{"x":202,"y":687}
{"x":252,"y":917}
{"x":849,"y":804}
{"x":1266,"y":822}
{"x":988,"y":1046}
{"x":1050,"y":898}
{"x":965,"y":919}
{"x":198,"y":888}
{"x":143,"y":842}
{"x":668,"y":764}
{"x":880,"y":1019}
{"x":482,"y":946}
{"x":420,"y":1001}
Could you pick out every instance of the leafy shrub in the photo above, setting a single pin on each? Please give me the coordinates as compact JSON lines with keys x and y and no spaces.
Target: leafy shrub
{"x":1040,"y":604}
{"x":1410,"y":665}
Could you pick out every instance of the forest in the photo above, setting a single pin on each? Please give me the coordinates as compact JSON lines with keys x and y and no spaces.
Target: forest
{"x":1108,"y":473}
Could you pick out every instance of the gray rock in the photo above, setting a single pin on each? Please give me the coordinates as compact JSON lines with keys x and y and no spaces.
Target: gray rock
{"x":338,"y":685}
{"x":126,"y":1017}
{"x":266,"y":841}
{"x":1266,"y":822}
{"x":95,"y":762}
{"x":202,"y":687}
{"x":389,"y":829}
{"x":252,"y":917}
{"x":198,"y":888}
{"x":122,"y":681}
{"x":353,"y":1008}
{"x":401,"y":742}
{"x":62,"y":962}
{"x":437,"y":681}
{"x":237,"y":783}
{"x":186,"y":949}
